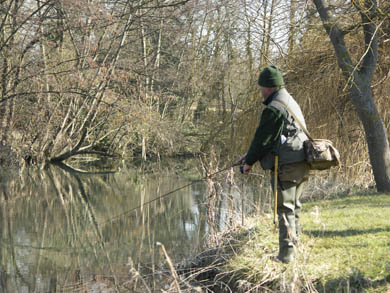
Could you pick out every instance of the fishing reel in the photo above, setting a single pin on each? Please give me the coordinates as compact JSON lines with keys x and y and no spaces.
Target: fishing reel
{"x":240,"y":163}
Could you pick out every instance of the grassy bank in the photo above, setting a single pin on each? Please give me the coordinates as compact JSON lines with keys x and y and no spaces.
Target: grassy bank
{"x":345,"y":247}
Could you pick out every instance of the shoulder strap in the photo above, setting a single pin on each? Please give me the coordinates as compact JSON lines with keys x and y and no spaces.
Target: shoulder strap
{"x":296,"y":119}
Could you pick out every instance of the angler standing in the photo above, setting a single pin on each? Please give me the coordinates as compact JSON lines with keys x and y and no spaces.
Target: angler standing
{"x":278,"y":145}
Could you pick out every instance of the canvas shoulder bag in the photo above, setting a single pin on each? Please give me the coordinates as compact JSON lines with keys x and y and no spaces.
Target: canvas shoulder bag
{"x":320,"y":154}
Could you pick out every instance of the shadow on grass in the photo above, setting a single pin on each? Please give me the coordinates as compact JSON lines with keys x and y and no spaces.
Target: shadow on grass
{"x":344,"y":233}
{"x":355,"y":282}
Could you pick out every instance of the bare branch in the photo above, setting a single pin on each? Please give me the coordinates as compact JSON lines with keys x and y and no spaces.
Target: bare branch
{"x":337,"y":38}
{"x":370,"y":38}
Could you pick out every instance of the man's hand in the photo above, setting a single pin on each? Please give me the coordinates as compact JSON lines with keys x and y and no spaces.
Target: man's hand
{"x":241,"y":160}
{"x":246,"y":169}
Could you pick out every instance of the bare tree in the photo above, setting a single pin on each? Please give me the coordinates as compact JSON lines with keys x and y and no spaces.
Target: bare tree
{"x":63,"y":63}
{"x":359,"y":76}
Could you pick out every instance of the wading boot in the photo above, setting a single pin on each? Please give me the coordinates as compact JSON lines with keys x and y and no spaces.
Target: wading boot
{"x":286,"y":254}
{"x":287,"y":237}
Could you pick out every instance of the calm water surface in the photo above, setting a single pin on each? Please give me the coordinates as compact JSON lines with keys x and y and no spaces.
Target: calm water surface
{"x":59,"y":227}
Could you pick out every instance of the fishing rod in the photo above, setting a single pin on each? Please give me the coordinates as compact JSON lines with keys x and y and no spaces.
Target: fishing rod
{"x":238,"y":163}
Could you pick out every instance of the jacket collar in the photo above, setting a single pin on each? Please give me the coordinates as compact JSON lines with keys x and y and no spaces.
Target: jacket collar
{"x":270,"y":98}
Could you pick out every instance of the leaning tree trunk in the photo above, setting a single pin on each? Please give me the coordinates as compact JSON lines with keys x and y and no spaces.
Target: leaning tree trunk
{"x":376,"y":135}
{"x":359,"y":77}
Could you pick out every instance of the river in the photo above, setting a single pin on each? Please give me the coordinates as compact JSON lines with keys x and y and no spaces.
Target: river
{"x":65,"y":230}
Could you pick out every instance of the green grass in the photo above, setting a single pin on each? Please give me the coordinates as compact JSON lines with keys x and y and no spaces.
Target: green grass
{"x":345,"y":247}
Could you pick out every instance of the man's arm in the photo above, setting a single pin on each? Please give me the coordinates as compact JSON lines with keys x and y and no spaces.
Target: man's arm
{"x":267,"y":135}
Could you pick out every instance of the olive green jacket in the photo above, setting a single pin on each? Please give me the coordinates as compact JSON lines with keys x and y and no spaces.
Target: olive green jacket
{"x":278,"y":133}
{"x":267,"y":134}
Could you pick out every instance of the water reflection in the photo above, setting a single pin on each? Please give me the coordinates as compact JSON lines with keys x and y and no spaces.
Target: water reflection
{"x":61,"y":229}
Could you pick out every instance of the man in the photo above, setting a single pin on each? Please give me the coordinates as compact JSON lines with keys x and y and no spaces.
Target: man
{"x":278,"y":134}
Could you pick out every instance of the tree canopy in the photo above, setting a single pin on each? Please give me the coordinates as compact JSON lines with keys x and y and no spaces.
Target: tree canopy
{"x":166,"y":77}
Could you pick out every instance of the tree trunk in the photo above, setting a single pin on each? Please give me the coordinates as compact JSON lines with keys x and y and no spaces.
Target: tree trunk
{"x":359,"y":77}
{"x":293,"y":29}
{"x":376,"y":136}
{"x":267,"y":32}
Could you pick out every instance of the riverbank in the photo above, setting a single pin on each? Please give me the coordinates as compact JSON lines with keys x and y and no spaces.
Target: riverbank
{"x":344,"y":248}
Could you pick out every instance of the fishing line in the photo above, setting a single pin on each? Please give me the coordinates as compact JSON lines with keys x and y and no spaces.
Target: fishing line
{"x":171,"y":192}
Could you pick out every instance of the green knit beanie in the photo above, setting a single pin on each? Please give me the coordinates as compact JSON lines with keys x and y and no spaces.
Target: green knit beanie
{"x":270,"y":77}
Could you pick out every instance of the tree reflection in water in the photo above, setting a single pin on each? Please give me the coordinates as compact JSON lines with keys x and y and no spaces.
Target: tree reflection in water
{"x":61,"y":229}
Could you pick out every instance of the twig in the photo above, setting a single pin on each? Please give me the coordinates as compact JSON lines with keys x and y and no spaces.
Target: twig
{"x":171,"y":267}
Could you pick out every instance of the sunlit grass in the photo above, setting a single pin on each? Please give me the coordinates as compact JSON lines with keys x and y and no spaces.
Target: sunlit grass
{"x":350,"y":237}
{"x":345,"y":247}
